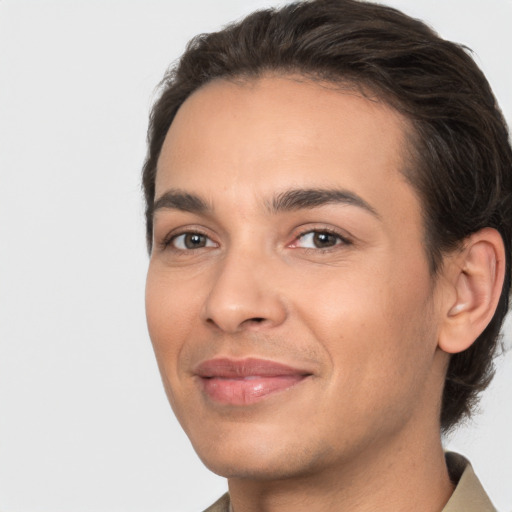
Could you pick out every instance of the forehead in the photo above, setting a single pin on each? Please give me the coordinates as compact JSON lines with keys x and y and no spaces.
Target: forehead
{"x":272,"y":133}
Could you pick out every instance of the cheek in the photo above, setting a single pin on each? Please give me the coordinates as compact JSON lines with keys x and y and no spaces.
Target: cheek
{"x":171,"y":312}
{"x":380,"y":352}
{"x":377,"y":325}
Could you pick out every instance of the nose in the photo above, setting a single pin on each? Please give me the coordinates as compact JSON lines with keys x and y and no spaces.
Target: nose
{"x":244,"y":295}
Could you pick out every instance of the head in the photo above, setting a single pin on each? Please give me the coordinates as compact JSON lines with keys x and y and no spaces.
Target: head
{"x":455,"y":155}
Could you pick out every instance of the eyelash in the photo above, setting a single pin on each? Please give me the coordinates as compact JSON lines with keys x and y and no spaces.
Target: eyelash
{"x":169,"y":240}
{"x":342,"y":240}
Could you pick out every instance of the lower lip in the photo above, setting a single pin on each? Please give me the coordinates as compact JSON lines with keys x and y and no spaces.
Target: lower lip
{"x":246,"y":391}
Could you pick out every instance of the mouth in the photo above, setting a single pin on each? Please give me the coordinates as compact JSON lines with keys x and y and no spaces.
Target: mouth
{"x":246,"y":381}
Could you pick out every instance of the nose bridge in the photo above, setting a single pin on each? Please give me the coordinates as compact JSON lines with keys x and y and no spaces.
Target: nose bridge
{"x":243,"y":292}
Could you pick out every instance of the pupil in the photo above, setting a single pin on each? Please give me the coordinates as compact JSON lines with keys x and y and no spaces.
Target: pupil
{"x":324,"y":239}
{"x":193,"y":241}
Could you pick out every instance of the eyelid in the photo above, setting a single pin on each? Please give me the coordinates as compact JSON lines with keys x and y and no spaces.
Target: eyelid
{"x":343,"y":238}
{"x":174,"y":239}
{"x":167,"y":241}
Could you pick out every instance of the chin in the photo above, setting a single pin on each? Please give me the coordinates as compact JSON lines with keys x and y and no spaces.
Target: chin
{"x":257,"y":468}
{"x":259,"y":457}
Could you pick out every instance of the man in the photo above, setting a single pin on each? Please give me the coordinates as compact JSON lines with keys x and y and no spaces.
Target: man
{"x":328,"y":192}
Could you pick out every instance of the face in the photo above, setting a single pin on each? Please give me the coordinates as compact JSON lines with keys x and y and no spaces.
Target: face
{"x":289,"y":299}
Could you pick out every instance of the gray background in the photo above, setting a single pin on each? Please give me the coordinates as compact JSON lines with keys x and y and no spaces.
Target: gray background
{"x":84,"y":424}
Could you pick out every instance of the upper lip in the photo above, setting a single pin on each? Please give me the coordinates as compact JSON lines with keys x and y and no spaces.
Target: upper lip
{"x":250,"y":367}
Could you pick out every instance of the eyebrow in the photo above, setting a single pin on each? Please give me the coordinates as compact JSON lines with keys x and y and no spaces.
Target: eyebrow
{"x":184,"y":201}
{"x":289,"y":200}
{"x":298,"y":199}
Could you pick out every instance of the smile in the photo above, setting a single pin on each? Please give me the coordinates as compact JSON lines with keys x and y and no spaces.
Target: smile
{"x":247,"y":381}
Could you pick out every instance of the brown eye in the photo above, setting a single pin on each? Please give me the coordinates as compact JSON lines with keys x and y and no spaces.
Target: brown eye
{"x":319,"y":240}
{"x":188,"y":241}
{"x":322,"y":240}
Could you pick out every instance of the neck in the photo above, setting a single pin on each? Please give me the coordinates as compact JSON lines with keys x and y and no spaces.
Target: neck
{"x":405,"y":474}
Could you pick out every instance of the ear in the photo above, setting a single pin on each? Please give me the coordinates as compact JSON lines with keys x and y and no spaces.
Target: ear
{"x":475,"y":280}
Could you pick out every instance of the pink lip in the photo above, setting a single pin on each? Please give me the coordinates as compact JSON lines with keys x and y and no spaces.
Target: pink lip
{"x":246,"y":381}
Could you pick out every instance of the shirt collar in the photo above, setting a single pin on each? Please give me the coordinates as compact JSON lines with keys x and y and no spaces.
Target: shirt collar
{"x":469,"y":495}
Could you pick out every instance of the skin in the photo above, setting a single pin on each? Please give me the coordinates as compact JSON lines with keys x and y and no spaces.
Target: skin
{"x":362,"y":315}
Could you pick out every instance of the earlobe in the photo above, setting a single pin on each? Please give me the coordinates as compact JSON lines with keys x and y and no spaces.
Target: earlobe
{"x":476,"y":278}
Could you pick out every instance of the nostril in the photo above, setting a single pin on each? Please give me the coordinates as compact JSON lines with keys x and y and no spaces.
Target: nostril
{"x":255,"y":320}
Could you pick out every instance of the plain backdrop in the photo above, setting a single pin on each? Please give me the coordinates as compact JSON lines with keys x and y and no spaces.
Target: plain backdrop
{"x":84,"y":423}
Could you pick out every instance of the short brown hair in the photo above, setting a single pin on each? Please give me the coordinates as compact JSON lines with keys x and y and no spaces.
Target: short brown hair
{"x":460,"y":145}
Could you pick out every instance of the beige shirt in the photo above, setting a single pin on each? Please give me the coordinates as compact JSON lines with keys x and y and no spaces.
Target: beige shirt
{"x":469,"y":495}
